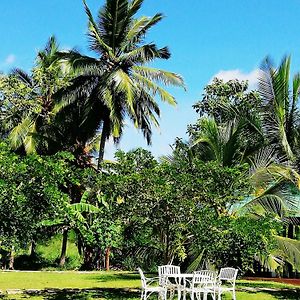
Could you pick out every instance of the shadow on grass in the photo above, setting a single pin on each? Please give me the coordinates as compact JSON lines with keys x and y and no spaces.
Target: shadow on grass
{"x":284,"y":294}
{"x":126,"y":294}
{"x":291,"y":295}
{"x":84,"y":294}
{"x":116,"y":276}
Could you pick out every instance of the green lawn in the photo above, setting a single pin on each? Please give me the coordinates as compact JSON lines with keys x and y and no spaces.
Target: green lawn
{"x":112,"y":285}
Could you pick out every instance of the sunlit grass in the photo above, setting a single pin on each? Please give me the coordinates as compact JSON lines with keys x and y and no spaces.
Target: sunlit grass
{"x":114,"y":285}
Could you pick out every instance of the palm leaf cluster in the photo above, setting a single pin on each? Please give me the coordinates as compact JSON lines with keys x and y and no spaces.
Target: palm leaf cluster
{"x":78,"y":100}
{"x":118,"y":83}
{"x":32,"y":130}
{"x":280,"y":106}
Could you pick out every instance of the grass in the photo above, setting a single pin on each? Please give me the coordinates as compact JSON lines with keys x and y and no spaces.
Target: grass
{"x":114,"y":285}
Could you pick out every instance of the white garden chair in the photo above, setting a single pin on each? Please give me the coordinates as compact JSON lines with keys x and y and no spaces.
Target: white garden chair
{"x":227,"y":276}
{"x":203,"y":282}
{"x":164,"y":279}
{"x":147,"y":289}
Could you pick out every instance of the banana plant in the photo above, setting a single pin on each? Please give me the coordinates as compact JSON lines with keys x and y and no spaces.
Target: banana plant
{"x":74,"y":216}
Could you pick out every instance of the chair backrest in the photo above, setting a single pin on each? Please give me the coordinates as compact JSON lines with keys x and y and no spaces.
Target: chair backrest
{"x":228,"y":274}
{"x":203,"y":278}
{"x":143,"y":278}
{"x":166,"y":270}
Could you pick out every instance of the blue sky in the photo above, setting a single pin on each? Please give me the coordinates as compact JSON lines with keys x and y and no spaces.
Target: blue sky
{"x":206,"y":37}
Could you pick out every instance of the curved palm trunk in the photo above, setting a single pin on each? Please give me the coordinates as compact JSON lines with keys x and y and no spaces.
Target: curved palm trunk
{"x":104,"y":136}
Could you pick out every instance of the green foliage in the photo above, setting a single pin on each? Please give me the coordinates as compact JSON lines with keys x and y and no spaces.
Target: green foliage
{"x":49,"y":252}
{"x":223,"y":100}
{"x":31,"y":191}
{"x":230,"y":240}
{"x":156,"y":203}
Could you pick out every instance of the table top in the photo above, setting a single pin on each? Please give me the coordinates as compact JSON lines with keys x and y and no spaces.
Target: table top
{"x":181,"y":275}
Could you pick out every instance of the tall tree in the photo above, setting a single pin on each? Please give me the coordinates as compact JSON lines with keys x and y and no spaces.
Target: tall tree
{"x":119,"y":77}
{"x":280,"y":101}
{"x":34,"y":108}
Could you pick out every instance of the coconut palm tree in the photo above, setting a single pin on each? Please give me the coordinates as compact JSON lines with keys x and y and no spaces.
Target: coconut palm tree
{"x":225,"y":143}
{"x":119,"y":77}
{"x":49,"y":75}
{"x":280,"y":105}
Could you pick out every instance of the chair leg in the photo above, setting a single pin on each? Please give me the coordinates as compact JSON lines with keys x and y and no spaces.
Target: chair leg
{"x":179,"y":294}
{"x":219,"y":295}
{"x":162,"y":295}
{"x":233,"y":294}
{"x":192,"y":295}
{"x":213,"y":294}
{"x":172,"y":292}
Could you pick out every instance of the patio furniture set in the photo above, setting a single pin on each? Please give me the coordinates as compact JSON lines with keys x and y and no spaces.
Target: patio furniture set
{"x":195,"y":285}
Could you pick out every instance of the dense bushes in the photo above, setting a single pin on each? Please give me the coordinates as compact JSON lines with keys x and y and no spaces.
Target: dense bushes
{"x":147,"y":213}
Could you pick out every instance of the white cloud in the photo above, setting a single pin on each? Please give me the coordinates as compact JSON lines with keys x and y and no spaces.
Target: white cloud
{"x":10,"y":59}
{"x":227,"y":75}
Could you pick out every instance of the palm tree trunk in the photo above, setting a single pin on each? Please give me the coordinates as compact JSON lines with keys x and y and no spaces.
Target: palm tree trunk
{"x":62,"y":259}
{"x":102,"y":143}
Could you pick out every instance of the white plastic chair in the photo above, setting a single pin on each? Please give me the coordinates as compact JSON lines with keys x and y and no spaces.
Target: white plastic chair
{"x":147,"y":289}
{"x":227,"y":276}
{"x":163,"y":272}
{"x":203,"y":282}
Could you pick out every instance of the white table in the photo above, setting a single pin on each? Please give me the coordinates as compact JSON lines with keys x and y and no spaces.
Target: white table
{"x":181,"y":282}
{"x":180,"y":279}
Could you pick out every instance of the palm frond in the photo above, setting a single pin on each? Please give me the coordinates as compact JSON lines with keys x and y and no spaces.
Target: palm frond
{"x":96,"y":41}
{"x":271,"y":261}
{"x":125,"y":86}
{"x":23,"y":77}
{"x":18,"y":133}
{"x":113,"y":20}
{"x":145,"y":54}
{"x":140,"y":28}
{"x":274,"y":90}
{"x":154,"y":89}
{"x":290,"y":249}
{"x":167,"y":78}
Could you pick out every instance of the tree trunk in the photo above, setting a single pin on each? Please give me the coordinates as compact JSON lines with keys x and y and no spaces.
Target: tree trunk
{"x":79,"y":245}
{"x":87,"y":258}
{"x":291,"y":231}
{"x":291,"y":236}
{"x":11,"y":258}
{"x":297,"y":232}
{"x":32,"y":249}
{"x":102,"y":143}
{"x":107,"y":255}
{"x":62,"y":259}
